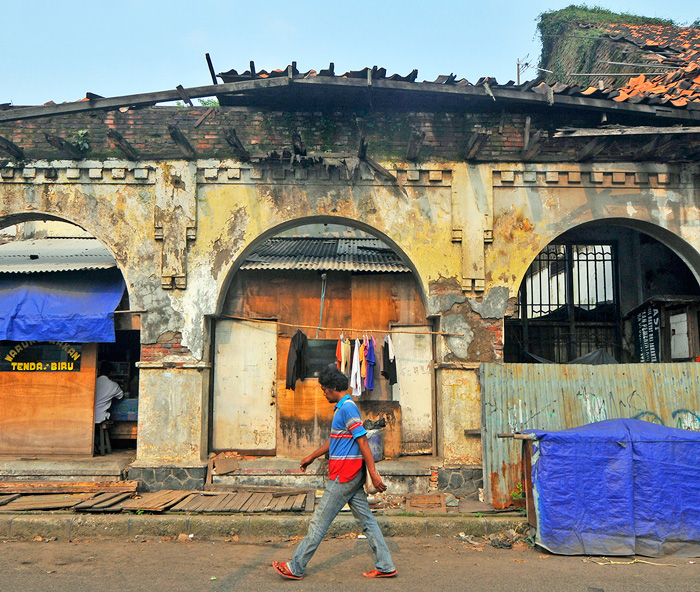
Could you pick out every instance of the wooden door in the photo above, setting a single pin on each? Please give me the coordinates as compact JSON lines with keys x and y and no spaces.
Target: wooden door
{"x":244,"y":409}
{"x":414,"y":360}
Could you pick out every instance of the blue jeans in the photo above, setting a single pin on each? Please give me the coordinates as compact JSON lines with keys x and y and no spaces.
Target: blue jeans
{"x":334,"y":498}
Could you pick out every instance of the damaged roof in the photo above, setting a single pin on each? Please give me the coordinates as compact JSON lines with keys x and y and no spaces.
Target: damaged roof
{"x":325,"y":254}
{"x":54,"y":254}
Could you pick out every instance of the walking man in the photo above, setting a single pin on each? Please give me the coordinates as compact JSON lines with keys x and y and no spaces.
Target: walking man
{"x":348,"y":453}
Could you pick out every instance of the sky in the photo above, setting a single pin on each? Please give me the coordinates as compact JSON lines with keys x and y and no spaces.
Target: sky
{"x":59,"y":50}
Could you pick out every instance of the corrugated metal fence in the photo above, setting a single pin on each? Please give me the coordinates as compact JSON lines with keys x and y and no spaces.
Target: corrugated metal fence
{"x":515,"y":397}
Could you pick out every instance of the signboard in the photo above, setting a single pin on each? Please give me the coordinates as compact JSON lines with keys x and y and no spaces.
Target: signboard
{"x":39,"y":356}
{"x":646,"y":336}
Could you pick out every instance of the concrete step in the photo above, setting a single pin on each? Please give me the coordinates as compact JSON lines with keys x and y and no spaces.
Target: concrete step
{"x":111,"y":467}
{"x":401,"y":476}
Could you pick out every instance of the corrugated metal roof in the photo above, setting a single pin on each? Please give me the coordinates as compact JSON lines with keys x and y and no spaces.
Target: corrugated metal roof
{"x":517,"y":397}
{"x":326,"y":254}
{"x":54,"y":254}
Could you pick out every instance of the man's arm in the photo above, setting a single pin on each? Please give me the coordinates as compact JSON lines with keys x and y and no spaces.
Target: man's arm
{"x":369,"y":461}
{"x":305,"y":462}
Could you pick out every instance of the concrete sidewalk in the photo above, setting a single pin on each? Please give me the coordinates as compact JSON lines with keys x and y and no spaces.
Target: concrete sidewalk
{"x":69,"y":526}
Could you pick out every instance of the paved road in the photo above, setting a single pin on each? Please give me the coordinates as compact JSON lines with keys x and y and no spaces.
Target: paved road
{"x":438,"y":564}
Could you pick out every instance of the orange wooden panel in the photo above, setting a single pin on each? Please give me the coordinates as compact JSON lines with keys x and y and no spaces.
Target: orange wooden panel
{"x":49,"y":412}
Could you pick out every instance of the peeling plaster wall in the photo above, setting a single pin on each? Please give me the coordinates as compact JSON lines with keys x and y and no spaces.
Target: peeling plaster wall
{"x":172,"y":417}
{"x":179,"y":229}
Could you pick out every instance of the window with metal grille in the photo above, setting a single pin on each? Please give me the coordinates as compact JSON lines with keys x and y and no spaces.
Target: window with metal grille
{"x":567,"y":305}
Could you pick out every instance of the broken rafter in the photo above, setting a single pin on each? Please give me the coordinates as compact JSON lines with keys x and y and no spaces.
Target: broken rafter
{"x":181,"y":141}
{"x":593,"y":148}
{"x":362,"y":148}
{"x":183,"y":95}
{"x":534,"y":146}
{"x":64,"y":146}
{"x":239,"y":149}
{"x":475,"y":143}
{"x":625,"y":131}
{"x":11,"y":148}
{"x":127,"y":149}
{"x":655,"y":147}
{"x":414,"y":145}
{"x":211,"y":69}
{"x":298,"y":143}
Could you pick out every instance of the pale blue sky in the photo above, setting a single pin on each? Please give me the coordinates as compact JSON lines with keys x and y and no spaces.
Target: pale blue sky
{"x":58,"y":50}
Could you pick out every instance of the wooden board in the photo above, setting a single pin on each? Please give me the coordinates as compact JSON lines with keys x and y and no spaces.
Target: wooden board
{"x":28,"y":503}
{"x":433,"y":503}
{"x":29,"y":487}
{"x":158,"y":501}
{"x":49,"y":413}
{"x":6,"y":499}
{"x":104,"y":502}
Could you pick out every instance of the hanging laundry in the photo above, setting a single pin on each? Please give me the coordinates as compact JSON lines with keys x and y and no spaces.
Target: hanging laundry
{"x":343,"y":355}
{"x":389,"y":361}
{"x":297,"y":359}
{"x":370,"y":361}
{"x":363,"y":363}
{"x":355,"y":377}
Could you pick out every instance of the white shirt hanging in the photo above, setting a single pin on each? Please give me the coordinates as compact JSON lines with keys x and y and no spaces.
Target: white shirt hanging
{"x":355,"y":376}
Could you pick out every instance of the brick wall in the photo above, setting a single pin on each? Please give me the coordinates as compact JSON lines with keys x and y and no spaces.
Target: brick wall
{"x":169,"y":345}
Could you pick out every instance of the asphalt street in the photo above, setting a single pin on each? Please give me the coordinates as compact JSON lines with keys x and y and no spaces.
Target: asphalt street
{"x":437,"y":564}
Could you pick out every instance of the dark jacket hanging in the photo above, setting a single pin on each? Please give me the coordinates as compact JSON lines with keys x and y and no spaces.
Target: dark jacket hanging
{"x":388,"y":365}
{"x":298,"y":359}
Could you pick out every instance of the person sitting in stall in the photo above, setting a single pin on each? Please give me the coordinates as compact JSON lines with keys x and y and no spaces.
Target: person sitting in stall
{"x":105,"y":390}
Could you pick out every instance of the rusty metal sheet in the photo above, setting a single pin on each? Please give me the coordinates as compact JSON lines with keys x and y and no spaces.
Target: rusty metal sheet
{"x":517,"y":397}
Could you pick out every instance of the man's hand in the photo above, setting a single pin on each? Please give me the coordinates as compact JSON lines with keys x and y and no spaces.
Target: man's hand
{"x":305,"y":462}
{"x":379,"y":485}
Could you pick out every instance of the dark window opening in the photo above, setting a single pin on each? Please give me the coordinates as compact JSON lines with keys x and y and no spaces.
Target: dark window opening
{"x":568,"y":305}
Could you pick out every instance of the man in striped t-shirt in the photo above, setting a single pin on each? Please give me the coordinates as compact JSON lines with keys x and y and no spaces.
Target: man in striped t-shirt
{"x":348,"y":451}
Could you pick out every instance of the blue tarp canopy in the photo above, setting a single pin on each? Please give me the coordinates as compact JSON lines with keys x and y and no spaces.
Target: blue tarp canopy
{"x":70,"y":306}
{"x":618,"y":487}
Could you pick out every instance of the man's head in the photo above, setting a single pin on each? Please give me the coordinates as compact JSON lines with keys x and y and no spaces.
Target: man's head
{"x":333,"y":382}
{"x":106,"y":368}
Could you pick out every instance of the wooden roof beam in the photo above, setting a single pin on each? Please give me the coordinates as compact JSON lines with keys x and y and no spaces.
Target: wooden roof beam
{"x":239,"y":149}
{"x":181,"y":141}
{"x":120,"y":142}
{"x":534,"y":146}
{"x":64,"y":146}
{"x":414,"y":145}
{"x":298,"y":143}
{"x":11,"y":148}
{"x":475,"y":143}
{"x":593,"y":148}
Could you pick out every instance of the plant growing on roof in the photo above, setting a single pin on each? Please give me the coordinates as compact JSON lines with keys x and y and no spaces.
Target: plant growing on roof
{"x":81,"y":140}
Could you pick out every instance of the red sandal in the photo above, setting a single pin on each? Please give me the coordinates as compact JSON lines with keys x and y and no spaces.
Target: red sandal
{"x":282,"y":568}
{"x":375,"y":573}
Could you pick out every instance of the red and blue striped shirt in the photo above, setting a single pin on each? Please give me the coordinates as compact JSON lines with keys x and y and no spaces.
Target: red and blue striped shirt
{"x":344,"y":456}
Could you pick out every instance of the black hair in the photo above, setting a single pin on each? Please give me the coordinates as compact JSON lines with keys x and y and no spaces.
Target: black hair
{"x":106,"y":368}
{"x":332,"y":378}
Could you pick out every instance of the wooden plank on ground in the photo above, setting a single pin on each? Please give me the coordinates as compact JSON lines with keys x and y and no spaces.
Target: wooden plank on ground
{"x":36,"y":487}
{"x":6,"y":499}
{"x":212,"y":502}
{"x":289,"y":503}
{"x":310,"y":501}
{"x":58,"y":501}
{"x":101,"y":501}
{"x":278,"y":502}
{"x":251,"y":502}
{"x":299,"y":502}
{"x":183,"y":505}
{"x":433,"y":503}
{"x":263,"y":503}
{"x":234,"y":504}
{"x":156,"y":502}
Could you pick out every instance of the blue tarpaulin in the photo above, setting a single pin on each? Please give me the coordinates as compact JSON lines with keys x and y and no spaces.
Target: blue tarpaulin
{"x":75,"y":307}
{"x":618,"y":487}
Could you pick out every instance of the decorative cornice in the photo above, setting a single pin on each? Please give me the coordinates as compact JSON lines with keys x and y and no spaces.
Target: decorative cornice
{"x":583,"y":178}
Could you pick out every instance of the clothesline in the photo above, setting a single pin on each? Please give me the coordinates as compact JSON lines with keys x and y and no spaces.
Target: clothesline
{"x":342,"y":329}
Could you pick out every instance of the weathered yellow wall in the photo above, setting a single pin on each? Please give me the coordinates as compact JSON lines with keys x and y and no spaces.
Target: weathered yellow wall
{"x":179,"y":229}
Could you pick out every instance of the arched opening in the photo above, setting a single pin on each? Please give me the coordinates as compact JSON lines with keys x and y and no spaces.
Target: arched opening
{"x":608,"y":291}
{"x":318,"y":290}
{"x":65,"y":312}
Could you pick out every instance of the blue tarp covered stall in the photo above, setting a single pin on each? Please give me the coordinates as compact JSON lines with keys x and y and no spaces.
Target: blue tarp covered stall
{"x":75,"y":307}
{"x":617,"y":487}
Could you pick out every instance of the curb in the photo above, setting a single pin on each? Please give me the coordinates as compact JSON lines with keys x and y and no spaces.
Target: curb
{"x":66,"y":527}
